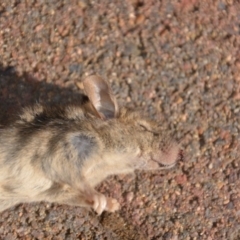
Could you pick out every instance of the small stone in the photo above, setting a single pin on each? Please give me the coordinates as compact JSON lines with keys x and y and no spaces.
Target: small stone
{"x":129,"y":197}
{"x":210,"y":166}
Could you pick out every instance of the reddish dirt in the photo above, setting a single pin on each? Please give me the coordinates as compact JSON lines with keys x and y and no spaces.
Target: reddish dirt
{"x":179,"y":61}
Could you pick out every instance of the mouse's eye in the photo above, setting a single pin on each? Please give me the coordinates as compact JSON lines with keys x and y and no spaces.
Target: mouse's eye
{"x":147,"y":128}
{"x":143,"y":127}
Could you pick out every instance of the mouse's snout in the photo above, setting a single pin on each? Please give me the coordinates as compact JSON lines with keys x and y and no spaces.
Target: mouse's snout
{"x":168,"y":155}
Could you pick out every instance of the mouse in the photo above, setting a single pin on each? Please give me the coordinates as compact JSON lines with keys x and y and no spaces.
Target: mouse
{"x":59,"y":154}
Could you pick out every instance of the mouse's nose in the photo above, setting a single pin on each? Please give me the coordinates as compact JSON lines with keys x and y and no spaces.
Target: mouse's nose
{"x":169,"y":154}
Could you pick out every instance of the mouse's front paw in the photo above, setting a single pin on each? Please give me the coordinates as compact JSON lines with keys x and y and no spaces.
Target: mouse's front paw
{"x":112,"y":205}
{"x":99,"y":203}
{"x":102,"y":203}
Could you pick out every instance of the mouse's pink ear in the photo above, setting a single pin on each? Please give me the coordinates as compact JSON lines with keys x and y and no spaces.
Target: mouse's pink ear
{"x":101,"y":96}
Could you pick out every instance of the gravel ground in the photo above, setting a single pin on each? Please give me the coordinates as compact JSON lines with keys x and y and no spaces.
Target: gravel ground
{"x":179,"y":61}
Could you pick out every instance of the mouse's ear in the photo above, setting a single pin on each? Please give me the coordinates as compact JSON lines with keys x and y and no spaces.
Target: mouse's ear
{"x":101,"y":96}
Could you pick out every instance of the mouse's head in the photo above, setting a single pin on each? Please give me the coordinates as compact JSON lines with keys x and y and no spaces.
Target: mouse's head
{"x":127,"y":137}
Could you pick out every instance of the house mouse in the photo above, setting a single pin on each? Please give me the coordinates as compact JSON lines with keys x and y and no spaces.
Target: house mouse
{"x":60,"y":153}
